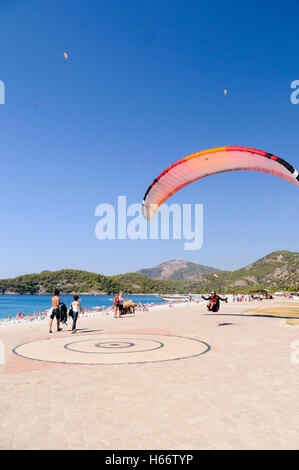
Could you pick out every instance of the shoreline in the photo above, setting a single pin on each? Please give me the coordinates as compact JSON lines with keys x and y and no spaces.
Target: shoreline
{"x":78,"y":293}
{"x":14,"y":306}
{"x":92,"y":313}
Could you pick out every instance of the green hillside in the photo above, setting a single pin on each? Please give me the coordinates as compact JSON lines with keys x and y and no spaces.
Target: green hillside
{"x":278,"y":270}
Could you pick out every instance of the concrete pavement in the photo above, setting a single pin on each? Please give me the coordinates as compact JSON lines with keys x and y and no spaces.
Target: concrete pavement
{"x":179,"y":378}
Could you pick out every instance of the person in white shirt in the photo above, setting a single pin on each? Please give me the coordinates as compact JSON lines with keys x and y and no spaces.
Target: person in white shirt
{"x":76,"y":307}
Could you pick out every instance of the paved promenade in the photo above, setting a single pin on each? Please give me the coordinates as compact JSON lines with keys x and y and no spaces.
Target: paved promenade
{"x":179,"y":378}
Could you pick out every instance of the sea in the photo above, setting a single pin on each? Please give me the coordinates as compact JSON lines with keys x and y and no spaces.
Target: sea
{"x":13,"y":304}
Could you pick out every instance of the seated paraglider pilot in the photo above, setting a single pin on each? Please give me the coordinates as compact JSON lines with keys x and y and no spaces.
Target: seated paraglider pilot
{"x":214,"y":302}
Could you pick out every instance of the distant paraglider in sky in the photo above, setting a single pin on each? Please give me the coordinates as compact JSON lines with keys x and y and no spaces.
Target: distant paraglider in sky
{"x":139,"y":163}
{"x":225,"y":92}
{"x":66,"y":57}
{"x":215,"y":275}
{"x":209,"y":162}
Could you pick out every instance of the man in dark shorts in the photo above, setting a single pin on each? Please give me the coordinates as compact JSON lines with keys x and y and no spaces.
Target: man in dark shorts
{"x":55,"y":311}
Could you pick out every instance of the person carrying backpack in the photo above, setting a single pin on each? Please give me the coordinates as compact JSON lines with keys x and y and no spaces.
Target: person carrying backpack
{"x":55,"y":312}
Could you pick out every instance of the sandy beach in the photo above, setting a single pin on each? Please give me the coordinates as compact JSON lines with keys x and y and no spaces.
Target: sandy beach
{"x":176,"y":378}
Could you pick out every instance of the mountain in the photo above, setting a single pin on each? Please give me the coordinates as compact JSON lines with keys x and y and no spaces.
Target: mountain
{"x":278,"y":270}
{"x":177,"y":269}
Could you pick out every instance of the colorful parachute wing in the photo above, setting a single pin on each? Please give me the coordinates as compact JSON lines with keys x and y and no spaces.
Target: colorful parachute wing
{"x":209,"y":162}
{"x":213,"y":274}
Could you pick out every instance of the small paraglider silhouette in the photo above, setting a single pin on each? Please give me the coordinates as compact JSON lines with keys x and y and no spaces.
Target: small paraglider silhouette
{"x":139,"y":163}
{"x":66,"y":57}
{"x":225,"y":92}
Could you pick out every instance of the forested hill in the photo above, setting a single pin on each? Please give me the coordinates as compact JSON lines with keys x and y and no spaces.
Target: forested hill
{"x":76,"y":281}
{"x":278,"y":270}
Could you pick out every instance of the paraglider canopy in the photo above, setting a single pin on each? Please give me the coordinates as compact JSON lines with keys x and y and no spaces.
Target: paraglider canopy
{"x":209,"y":162}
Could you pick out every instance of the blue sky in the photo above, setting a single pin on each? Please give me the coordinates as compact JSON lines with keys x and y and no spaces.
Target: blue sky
{"x":142,"y":88}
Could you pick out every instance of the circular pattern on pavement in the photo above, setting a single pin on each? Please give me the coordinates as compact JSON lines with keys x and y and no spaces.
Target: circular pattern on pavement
{"x":141,"y":346}
{"x":109,"y":344}
{"x":112,"y":349}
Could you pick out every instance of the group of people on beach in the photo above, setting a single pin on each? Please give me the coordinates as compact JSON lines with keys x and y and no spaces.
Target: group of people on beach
{"x":60,"y":311}
{"x":57,"y":309}
{"x":118,"y":305}
{"x":123,"y":307}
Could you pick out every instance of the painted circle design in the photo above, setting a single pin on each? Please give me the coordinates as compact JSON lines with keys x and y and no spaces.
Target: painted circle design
{"x":109,"y":349}
{"x":108,"y":344}
{"x":145,"y":345}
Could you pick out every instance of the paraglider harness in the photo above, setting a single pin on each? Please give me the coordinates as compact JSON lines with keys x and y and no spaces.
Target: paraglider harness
{"x":63,"y":313}
{"x":214,"y":302}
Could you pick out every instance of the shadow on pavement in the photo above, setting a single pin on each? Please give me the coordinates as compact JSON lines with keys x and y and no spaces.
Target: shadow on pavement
{"x":249,"y":315}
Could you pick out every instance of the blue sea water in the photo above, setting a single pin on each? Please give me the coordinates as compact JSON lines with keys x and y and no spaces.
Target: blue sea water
{"x":13,"y":304}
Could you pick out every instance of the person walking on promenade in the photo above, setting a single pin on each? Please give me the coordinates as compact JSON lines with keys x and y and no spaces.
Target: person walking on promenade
{"x":116,"y":306}
{"x":55,"y":311}
{"x":76,"y":309}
